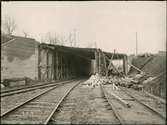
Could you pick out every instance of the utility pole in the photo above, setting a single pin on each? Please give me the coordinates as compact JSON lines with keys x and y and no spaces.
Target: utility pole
{"x":136,"y":45}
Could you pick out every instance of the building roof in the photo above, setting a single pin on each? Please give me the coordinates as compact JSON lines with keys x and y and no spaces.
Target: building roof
{"x":87,"y":53}
{"x":84,"y":52}
{"x":7,"y":38}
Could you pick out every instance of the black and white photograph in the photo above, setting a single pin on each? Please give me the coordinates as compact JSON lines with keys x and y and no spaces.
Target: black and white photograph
{"x":83,"y":62}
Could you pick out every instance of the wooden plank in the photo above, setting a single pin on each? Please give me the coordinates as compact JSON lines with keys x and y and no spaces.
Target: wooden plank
{"x":126,"y":104}
{"x":96,"y":61}
{"x":105,"y":64}
{"x":110,"y":61}
{"x":67,"y":70}
{"x":60,"y":66}
{"x":115,"y":111}
{"x":39,"y":60}
{"x":47,"y":62}
{"x":135,"y":68}
{"x":57,"y":66}
{"x":155,"y":97}
{"x":3,"y":44}
{"x":73,"y":53}
{"x":52,"y":67}
{"x":100,"y":62}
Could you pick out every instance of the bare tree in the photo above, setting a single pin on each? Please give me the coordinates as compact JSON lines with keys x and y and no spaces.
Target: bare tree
{"x":63,"y":40}
{"x":72,"y":38}
{"x":89,"y":45}
{"x":52,"y":39}
{"x":75,"y":37}
{"x":92,"y":45}
{"x":60,"y":40}
{"x":25,"y":33}
{"x":9,"y":25}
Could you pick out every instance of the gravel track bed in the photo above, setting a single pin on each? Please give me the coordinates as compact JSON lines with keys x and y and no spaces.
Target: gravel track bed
{"x":37,"y":110}
{"x":137,"y":113}
{"x":153,"y":103}
{"x":84,"y":106}
{"x":8,"y":102}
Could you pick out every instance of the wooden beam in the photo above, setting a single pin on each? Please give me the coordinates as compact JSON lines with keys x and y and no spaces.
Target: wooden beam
{"x":99,"y":55}
{"x":47,"y":62}
{"x":155,"y":97}
{"x":104,"y":55}
{"x":52,"y":66}
{"x":97,"y":61}
{"x":39,"y":60}
{"x":111,"y":64}
{"x":135,"y":68}
{"x":75,"y":54}
{"x":57,"y":66}
{"x":126,"y":104}
{"x":105,"y":64}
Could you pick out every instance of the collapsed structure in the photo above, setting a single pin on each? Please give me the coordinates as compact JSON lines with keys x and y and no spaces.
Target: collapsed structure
{"x":26,"y":58}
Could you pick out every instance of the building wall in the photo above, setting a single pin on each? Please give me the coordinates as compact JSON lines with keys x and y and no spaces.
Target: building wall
{"x":93,"y":66}
{"x":46,"y":64}
{"x":19,"y":58}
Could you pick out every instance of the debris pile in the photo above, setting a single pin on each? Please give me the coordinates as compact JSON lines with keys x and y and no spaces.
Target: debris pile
{"x":96,"y":80}
{"x":134,"y":81}
{"x":2,"y":86}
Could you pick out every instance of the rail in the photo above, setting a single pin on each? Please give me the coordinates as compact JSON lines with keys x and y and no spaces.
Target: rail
{"x":116,"y":113}
{"x":29,"y":88}
{"x":148,"y":107}
{"x":54,"y":107}
{"x":23,"y":103}
{"x":116,"y":110}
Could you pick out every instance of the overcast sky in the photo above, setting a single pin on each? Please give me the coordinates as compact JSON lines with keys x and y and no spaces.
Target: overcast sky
{"x":112,"y":25}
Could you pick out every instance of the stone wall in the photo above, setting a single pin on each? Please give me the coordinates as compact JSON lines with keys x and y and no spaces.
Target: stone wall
{"x":19,"y":58}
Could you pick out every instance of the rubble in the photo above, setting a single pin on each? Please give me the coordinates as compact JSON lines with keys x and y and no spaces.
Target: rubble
{"x":131,"y":81}
{"x":95,"y":80}
{"x":148,"y":80}
{"x":2,"y":86}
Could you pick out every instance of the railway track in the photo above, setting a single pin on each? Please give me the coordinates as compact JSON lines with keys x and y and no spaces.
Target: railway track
{"x":84,"y":106}
{"x":130,"y":110}
{"x":112,"y":106}
{"x":147,"y":101}
{"x":18,"y":101}
{"x":30,"y":88}
{"x":39,"y":109}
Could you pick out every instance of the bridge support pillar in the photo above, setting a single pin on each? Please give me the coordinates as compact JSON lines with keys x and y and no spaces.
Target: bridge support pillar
{"x":125,"y":64}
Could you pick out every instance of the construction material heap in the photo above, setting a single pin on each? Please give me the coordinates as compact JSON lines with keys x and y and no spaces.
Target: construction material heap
{"x":135,"y":81}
